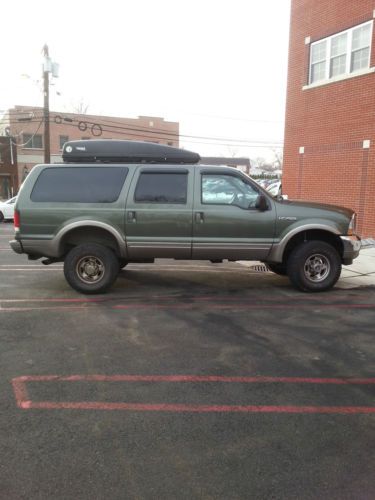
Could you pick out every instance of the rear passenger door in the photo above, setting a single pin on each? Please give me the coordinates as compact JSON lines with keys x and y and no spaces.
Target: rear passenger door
{"x":159,"y":212}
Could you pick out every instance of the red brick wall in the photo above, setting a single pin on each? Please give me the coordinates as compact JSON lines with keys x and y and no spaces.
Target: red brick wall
{"x":330,"y":121}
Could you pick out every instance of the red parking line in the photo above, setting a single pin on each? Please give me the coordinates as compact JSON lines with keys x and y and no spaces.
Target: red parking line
{"x":182,"y":408}
{"x":193,"y":378}
{"x":207,"y":305}
{"x":242,"y":305}
{"x":23,"y":401}
{"x":258,"y":299}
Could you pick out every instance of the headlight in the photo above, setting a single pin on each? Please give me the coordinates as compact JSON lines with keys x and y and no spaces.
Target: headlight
{"x":353,"y":225}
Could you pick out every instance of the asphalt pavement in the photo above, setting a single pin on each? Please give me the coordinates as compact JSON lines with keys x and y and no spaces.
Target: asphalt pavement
{"x":187,"y":380}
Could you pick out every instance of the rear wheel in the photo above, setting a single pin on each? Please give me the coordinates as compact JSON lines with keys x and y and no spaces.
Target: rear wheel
{"x":314,"y":266}
{"x":91,"y":268}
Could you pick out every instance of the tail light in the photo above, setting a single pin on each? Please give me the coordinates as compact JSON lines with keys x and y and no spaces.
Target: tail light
{"x":17,"y":220}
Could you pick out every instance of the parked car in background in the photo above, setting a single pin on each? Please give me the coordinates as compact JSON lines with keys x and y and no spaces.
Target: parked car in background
{"x":265,"y":182}
{"x":275,"y":188}
{"x":7,"y":209}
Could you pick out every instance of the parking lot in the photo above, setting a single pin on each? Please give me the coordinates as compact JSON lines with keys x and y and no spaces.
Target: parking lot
{"x":187,"y":380}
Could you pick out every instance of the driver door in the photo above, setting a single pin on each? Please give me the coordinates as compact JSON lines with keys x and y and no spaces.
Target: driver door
{"x":226,"y":222}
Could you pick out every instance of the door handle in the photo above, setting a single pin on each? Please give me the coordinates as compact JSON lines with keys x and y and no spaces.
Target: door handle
{"x":131,"y":216}
{"x":199,"y":217}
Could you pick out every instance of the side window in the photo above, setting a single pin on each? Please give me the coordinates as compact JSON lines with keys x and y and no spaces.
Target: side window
{"x":161,"y":187}
{"x":224,"y":189}
{"x":79,"y":184}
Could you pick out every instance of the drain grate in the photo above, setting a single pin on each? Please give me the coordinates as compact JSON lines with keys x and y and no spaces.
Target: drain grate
{"x":260,"y":268}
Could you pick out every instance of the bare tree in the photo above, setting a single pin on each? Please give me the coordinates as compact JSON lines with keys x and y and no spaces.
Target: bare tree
{"x":265,"y":165}
{"x":233,"y":151}
{"x":279,"y":158}
{"x":80,"y":107}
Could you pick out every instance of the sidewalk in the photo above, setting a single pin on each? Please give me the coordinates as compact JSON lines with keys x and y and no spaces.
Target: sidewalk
{"x":362,"y":271}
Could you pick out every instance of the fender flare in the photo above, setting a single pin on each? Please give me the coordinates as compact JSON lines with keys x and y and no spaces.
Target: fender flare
{"x":90,"y":223}
{"x":277,"y":252}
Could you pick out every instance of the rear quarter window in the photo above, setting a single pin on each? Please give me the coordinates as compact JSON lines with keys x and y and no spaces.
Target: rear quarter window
{"x":79,"y":184}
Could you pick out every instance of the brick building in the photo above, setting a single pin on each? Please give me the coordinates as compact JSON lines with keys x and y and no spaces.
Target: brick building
{"x":329,"y":152}
{"x":25,"y":125}
{"x":8,"y":168}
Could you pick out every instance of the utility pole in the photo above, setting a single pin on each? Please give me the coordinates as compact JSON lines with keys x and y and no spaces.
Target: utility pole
{"x":46,"y":71}
{"x":53,"y":68}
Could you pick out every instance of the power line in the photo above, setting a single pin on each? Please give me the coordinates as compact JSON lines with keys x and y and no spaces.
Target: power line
{"x":31,"y":138}
{"x":109,"y":127}
{"x":212,"y":142}
{"x":236,"y":142}
{"x":115,"y":125}
{"x":172,"y":134}
{"x":168,"y":133}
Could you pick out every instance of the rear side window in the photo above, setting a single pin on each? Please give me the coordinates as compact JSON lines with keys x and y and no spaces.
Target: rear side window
{"x":79,"y":184}
{"x":161,"y":188}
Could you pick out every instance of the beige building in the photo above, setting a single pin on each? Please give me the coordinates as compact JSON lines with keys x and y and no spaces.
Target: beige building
{"x":25,"y":125}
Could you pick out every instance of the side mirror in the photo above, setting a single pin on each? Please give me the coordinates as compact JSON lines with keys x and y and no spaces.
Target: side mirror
{"x":282,"y":197}
{"x":261,"y":203}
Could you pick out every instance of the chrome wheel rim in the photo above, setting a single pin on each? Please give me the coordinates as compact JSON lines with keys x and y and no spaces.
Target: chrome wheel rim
{"x":90,"y":269}
{"x":317,"y":268}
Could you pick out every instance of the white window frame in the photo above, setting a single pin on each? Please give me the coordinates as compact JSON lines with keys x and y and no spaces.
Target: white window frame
{"x":348,"y":73}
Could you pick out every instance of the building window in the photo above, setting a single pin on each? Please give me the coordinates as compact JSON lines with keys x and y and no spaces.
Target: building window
{"x":32,"y":141}
{"x":62,"y":140}
{"x":341,"y":54}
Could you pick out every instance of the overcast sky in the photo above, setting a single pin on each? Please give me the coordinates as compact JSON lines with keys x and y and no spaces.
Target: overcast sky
{"x":217,"y":67}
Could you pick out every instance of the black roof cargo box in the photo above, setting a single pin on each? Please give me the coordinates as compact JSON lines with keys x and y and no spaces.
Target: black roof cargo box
{"x":113,"y":151}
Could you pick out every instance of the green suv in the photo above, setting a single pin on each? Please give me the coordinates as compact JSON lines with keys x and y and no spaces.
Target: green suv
{"x":115,"y":202}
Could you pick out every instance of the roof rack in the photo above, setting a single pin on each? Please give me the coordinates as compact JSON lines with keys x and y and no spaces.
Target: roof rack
{"x":113,"y":151}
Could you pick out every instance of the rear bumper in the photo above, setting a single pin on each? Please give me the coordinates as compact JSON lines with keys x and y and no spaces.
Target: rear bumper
{"x":36,"y":248}
{"x":351,"y":248}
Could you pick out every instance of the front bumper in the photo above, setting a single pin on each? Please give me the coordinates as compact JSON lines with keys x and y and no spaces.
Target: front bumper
{"x":351,"y":246}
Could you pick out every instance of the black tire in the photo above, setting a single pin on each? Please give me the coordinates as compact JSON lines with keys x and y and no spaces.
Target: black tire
{"x":314,"y":266}
{"x":1,"y":216}
{"x":91,"y":268}
{"x":277,"y":268}
{"x":123,"y":263}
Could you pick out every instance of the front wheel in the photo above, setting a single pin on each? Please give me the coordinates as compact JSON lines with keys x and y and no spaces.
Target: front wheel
{"x":91,"y":268}
{"x":314,"y":266}
{"x":279,"y":269}
{"x":1,"y":216}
